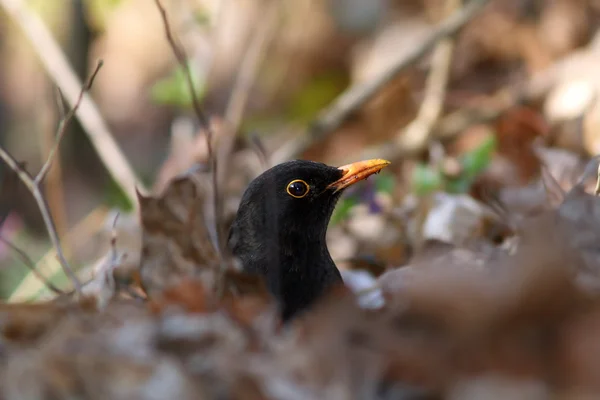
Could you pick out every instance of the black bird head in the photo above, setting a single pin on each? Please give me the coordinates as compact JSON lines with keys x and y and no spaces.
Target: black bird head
{"x":280,"y":228}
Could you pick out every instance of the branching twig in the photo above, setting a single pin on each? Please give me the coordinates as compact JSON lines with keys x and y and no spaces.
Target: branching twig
{"x":64,"y":123}
{"x":356,"y":96}
{"x":33,"y":184}
{"x":31,"y":265}
{"x":57,"y":66}
{"x":29,"y":182}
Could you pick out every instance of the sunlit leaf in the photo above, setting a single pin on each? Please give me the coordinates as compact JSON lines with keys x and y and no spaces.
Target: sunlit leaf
{"x":174,"y":90}
{"x":342,"y":210}
{"x":315,"y":95}
{"x":201,"y":17}
{"x":99,"y":11}
{"x":477,"y":160}
{"x":425,"y":179}
{"x":385,"y":182}
{"x":459,"y":185}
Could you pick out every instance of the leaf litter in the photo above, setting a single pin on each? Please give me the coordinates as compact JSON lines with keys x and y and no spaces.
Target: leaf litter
{"x":458,"y":319}
{"x":495,"y":297}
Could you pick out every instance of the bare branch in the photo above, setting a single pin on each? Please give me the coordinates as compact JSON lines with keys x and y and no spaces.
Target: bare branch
{"x":31,"y":265}
{"x":29,"y":182}
{"x":33,"y":184}
{"x":64,"y":123}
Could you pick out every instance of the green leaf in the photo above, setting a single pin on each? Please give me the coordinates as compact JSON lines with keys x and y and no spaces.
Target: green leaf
{"x":115,"y":198}
{"x":315,"y":95}
{"x":459,"y":185}
{"x":342,"y":210}
{"x":477,"y":160}
{"x":425,"y":179}
{"x":174,"y":90}
{"x":201,"y":17}
{"x":385,"y":182}
{"x":98,"y":12}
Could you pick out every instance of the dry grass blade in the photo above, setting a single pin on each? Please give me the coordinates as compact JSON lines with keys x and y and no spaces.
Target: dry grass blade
{"x":31,"y":265}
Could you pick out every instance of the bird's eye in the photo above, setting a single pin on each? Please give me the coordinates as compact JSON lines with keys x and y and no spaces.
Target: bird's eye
{"x":297,"y":188}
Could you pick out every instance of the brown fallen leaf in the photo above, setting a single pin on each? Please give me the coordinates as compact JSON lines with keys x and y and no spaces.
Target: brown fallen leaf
{"x":189,"y":295}
{"x":176,"y":242}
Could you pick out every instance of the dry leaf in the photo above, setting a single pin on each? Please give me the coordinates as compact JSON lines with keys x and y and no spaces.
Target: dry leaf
{"x":175,"y":240}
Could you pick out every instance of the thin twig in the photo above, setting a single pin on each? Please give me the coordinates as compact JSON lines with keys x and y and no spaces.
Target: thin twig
{"x":103,"y":285}
{"x":181,"y":57}
{"x":60,"y":102}
{"x":258,"y":147}
{"x":234,"y":112}
{"x":351,"y":100}
{"x":57,"y":66}
{"x":53,"y":183}
{"x":29,"y":182}
{"x":33,"y":184}
{"x":64,"y":123}
{"x":31,"y":265}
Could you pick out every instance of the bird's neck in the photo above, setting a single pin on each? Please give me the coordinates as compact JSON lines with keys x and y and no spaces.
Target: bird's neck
{"x":301,"y":270}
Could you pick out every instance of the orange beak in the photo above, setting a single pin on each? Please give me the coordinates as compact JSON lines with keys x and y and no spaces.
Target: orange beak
{"x":357,"y":172}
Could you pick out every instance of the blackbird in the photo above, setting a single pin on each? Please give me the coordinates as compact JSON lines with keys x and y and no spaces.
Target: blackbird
{"x":280,"y":227}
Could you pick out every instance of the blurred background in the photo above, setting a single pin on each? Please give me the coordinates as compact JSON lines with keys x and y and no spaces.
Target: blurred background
{"x":474,"y":118}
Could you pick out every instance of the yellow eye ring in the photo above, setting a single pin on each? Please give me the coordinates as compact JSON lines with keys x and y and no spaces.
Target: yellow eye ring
{"x":297,"y":188}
